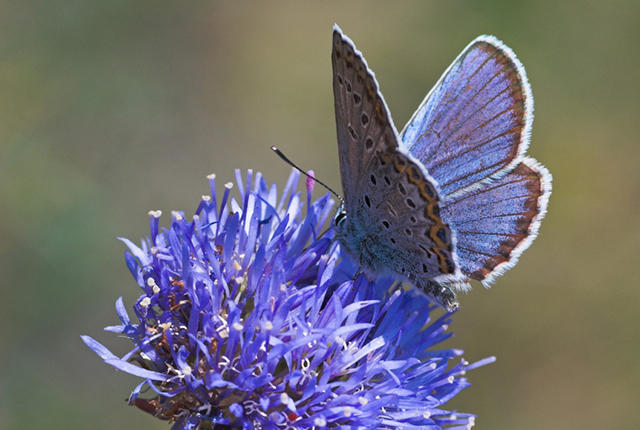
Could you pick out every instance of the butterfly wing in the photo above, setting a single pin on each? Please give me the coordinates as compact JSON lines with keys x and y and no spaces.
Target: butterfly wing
{"x":399,"y":213}
{"x":384,"y":188}
{"x":494,"y":224}
{"x":474,"y":125}
{"x":471,"y":132}
{"x":363,"y":123}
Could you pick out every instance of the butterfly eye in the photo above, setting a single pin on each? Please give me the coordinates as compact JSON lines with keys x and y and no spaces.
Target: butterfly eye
{"x":339,"y":219}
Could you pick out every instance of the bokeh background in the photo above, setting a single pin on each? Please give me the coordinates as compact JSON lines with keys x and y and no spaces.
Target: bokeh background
{"x":110,"y":109}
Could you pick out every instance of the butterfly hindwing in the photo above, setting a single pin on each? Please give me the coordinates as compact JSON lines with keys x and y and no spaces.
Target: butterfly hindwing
{"x":401,"y":212}
{"x":474,"y":125}
{"x":494,"y":224}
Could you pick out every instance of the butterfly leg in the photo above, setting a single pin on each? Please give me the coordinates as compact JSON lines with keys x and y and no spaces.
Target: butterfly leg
{"x":440,"y":294}
{"x":358,"y":272}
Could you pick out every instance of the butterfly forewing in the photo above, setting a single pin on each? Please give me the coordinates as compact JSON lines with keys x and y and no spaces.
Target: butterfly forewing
{"x":475,"y":123}
{"x":393,"y":221}
{"x":363,"y":123}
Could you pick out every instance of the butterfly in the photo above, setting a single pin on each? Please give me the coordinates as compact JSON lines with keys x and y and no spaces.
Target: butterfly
{"x":452,"y":197}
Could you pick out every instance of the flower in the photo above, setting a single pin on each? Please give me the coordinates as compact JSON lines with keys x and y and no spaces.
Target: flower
{"x":250,"y":317}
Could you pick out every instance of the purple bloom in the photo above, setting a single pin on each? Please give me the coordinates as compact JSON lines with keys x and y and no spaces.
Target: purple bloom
{"x":250,"y":318}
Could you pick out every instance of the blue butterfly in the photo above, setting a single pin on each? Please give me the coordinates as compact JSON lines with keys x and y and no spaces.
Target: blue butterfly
{"x":452,"y":197}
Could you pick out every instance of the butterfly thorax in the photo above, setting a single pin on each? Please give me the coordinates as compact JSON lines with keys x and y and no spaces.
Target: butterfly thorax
{"x":360,"y":245}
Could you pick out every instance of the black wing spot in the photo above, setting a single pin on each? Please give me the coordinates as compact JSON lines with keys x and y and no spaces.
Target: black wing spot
{"x":387,"y":180}
{"x":442,"y":234}
{"x":402,"y":189}
{"x":368,"y":143}
{"x":367,"y":201}
{"x":373,"y":179}
{"x":353,"y":134}
{"x":408,"y":232}
{"x":424,"y":268}
{"x":356,"y":98}
{"x":340,"y":81}
{"x":429,"y":190}
{"x":413,"y":219}
{"x":348,"y":86}
{"x":450,"y":267}
{"x":411,"y":203}
{"x":364,"y":118}
{"x":386,"y":224}
{"x":393,"y":240}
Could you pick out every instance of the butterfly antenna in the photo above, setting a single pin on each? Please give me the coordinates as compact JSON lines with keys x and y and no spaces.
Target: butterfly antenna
{"x":289,"y":162}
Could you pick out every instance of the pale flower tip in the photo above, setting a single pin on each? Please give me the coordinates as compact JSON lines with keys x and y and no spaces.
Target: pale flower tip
{"x":472,"y":422}
{"x":310,"y":181}
{"x":206,"y":198}
{"x":176,"y":215}
{"x":155,"y":213}
{"x":211,"y":176}
{"x":228,"y":185}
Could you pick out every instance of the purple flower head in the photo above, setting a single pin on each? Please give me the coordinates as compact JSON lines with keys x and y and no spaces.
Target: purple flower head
{"x":250,"y":318}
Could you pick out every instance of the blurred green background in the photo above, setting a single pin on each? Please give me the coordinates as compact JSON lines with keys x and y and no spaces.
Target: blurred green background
{"x":113,"y":108}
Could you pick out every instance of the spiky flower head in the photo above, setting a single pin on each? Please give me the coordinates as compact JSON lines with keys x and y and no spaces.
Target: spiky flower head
{"x":250,"y":317}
